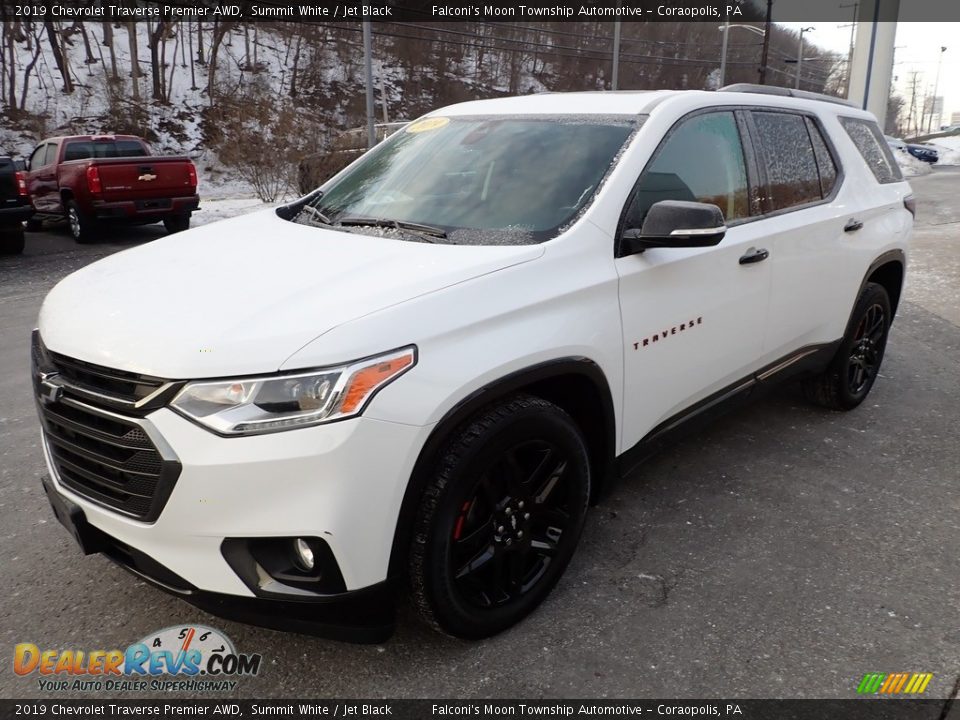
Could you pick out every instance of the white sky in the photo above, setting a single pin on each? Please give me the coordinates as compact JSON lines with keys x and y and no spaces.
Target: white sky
{"x":918,"y":48}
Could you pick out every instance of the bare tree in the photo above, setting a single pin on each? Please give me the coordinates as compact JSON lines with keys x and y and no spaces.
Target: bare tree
{"x":59,"y":56}
{"x":28,"y":70}
{"x":108,"y":41}
{"x":220,"y":30}
{"x":134,"y":59}
{"x":158,"y":35}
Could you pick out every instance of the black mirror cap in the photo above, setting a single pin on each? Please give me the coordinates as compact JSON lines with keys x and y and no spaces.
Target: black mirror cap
{"x":676,"y":223}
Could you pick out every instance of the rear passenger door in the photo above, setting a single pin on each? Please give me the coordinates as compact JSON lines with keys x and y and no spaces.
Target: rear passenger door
{"x":693,"y":318}
{"x":801,"y":176}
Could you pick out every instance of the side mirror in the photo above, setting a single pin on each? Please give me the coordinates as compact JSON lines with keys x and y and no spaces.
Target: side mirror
{"x":674,"y":224}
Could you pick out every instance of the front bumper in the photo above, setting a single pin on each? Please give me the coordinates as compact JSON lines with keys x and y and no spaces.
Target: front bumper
{"x":342,"y":482}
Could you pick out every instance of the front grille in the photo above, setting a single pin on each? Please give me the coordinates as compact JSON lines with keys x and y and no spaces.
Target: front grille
{"x":103,"y":455}
{"x":129,"y":387}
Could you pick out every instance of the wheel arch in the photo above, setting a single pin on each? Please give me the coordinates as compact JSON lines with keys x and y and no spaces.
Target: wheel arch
{"x":888,"y":270}
{"x":576,"y":384}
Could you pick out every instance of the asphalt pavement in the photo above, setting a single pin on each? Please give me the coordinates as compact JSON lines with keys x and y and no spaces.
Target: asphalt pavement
{"x":783,"y":552}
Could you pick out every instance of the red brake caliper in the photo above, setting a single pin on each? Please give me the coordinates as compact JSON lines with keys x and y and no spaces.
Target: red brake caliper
{"x":458,"y":528}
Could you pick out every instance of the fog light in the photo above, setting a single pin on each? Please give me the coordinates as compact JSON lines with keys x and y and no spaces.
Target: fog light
{"x":304,"y":554}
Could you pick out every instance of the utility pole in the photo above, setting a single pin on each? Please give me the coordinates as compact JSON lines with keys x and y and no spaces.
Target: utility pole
{"x":766,"y":43}
{"x":914,"y":81}
{"x":800,"y":54}
{"x":615,"y":73}
{"x":936,"y":89}
{"x":853,"y":30}
{"x":368,"y":72}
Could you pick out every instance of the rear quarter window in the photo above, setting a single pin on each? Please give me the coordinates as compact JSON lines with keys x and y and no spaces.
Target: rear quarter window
{"x":873,"y":149}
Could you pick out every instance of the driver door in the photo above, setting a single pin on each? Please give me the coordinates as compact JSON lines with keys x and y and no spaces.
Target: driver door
{"x":693,"y":319}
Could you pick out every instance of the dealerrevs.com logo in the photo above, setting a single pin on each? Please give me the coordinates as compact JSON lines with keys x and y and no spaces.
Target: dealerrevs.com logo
{"x":180,"y":658}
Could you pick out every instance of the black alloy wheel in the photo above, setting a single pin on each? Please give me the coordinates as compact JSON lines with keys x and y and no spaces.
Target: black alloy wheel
{"x":850,"y":376}
{"x":501,"y":518}
{"x":511,"y":524}
{"x":867,"y":350}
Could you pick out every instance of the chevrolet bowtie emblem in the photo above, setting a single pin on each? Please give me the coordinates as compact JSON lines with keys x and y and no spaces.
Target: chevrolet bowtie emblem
{"x":49,"y":392}
{"x":147,"y":177}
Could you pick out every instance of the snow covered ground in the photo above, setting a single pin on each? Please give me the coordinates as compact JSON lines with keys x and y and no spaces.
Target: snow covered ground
{"x":949,"y":148}
{"x":910,"y":166}
{"x":212,"y":210}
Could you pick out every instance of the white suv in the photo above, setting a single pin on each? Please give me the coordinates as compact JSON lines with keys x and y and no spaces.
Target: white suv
{"x":424,"y":372}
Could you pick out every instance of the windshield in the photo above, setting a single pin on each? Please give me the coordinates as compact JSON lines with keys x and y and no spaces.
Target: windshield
{"x":477,"y":180}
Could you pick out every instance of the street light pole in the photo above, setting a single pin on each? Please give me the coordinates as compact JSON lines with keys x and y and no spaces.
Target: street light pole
{"x":766,"y":43}
{"x":615,"y":74}
{"x":368,"y":72}
{"x":725,"y":29}
{"x":853,"y":30}
{"x":800,"y":54}
{"x":723,"y":56}
{"x":936,"y":89}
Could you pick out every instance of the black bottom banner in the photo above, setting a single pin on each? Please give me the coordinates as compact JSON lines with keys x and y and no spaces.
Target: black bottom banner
{"x":868,"y":709}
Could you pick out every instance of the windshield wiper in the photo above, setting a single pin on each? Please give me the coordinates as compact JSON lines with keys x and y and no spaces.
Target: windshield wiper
{"x":316,"y":214}
{"x":396,"y":224}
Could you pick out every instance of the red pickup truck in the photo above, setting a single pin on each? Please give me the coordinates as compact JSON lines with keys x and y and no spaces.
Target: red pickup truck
{"x":90,"y":179}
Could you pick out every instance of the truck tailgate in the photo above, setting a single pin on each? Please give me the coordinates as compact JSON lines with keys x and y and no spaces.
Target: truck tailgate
{"x":8,"y":183}
{"x":144,"y":178}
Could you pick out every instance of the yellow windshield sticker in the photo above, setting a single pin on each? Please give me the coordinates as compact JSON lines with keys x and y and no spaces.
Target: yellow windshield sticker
{"x":430,"y":123}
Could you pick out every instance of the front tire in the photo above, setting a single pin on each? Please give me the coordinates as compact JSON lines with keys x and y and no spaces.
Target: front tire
{"x":82,"y":226}
{"x":850,"y":376}
{"x":501,"y":518}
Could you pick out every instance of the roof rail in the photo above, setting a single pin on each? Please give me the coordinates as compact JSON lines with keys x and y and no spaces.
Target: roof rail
{"x":785,"y":92}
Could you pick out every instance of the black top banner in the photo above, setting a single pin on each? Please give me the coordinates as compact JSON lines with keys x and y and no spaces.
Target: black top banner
{"x":517,"y":11}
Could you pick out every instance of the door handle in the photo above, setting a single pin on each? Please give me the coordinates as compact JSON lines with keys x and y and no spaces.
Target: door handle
{"x":754,"y":255}
{"x":852,"y":225}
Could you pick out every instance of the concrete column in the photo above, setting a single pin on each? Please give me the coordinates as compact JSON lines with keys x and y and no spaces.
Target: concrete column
{"x":872,"y":71}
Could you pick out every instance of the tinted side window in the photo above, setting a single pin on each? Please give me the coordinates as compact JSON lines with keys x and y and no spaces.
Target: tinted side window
{"x":50,"y":157}
{"x":130,"y":148}
{"x":77,"y":151}
{"x":36,"y":157}
{"x":873,"y":148}
{"x":788,"y":156}
{"x":701,"y":160}
{"x":825,"y":162}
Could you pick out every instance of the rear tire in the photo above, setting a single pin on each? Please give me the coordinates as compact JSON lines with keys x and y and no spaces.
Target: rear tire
{"x":177,"y":223}
{"x":34,"y":224}
{"x":850,"y":376}
{"x":82,"y":226}
{"x":11,"y":240}
{"x":500,"y":519}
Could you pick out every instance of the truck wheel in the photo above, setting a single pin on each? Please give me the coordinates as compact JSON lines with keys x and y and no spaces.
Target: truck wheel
{"x":177,"y":223}
{"x":500,"y":519}
{"x":34,"y":224}
{"x":848,"y":379}
{"x":81,"y":225}
{"x":11,"y":240}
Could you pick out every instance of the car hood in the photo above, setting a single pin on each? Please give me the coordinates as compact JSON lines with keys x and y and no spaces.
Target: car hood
{"x":242,"y":295}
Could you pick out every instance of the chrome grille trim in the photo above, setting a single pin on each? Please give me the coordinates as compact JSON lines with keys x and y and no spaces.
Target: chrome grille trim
{"x":115,"y":459}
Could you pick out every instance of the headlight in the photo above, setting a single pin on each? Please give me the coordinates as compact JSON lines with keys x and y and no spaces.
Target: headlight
{"x":246,"y":406}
